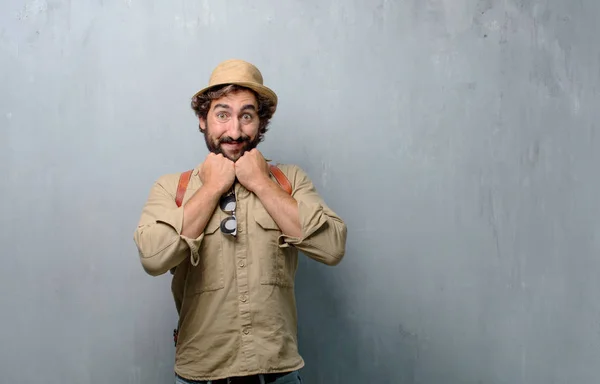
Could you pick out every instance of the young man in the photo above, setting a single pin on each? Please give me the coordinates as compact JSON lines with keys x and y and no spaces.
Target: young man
{"x":231,"y":238}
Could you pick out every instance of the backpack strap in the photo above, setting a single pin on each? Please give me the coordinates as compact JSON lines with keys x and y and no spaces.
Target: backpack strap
{"x":281,"y":178}
{"x":184,"y":179}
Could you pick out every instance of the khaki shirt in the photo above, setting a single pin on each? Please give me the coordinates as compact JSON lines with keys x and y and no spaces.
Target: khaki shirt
{"x":235,"y":296}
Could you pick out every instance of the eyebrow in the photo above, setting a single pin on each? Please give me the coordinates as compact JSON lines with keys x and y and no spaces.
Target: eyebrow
{"x":248,"y":106}
{"x":245,"y":107}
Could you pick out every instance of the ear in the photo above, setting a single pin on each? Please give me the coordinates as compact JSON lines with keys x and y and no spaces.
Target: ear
{"x":202,"y":124}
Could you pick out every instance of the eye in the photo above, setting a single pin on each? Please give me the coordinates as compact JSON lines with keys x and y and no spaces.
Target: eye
{"x":247,"y":117}
{"x":221,"y":115}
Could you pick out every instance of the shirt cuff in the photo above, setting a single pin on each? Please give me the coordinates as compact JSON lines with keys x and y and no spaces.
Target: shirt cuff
{"x":311,"y":219}
{"x":174,"y":219}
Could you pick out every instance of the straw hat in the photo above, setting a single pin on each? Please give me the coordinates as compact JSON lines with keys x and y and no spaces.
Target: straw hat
{"x":241,"y":73}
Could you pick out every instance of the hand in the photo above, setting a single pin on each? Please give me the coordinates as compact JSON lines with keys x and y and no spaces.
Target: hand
{"x":252,"y":170}
{"x":217,"y":172}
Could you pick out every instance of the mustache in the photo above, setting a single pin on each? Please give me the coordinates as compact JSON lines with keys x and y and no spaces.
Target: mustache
{"x":229,"y":140}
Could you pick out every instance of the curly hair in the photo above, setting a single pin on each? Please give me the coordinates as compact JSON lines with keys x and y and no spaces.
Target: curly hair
{"x":201,"y":105}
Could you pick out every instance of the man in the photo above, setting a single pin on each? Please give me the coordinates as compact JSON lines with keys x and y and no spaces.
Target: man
{"x":232,"y":244}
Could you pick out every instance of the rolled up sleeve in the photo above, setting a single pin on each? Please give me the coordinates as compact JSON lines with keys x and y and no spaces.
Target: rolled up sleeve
{"x":323,"y":231}
{"x":158,"y":237}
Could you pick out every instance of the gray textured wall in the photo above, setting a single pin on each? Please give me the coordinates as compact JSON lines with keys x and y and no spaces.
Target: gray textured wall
{"x":459,"y":139}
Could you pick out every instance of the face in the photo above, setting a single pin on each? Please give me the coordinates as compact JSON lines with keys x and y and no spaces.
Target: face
{"x":231,"y":126}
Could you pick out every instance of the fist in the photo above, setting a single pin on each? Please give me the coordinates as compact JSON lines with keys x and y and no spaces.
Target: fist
{"x":217,"y":172}
{"x":252,"y":170}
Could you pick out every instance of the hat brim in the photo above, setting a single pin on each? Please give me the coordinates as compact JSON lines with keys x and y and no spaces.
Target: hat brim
{"x":260,"y":89}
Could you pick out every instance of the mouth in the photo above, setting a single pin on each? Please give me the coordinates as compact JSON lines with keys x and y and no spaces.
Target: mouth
{"x":233,"y":146}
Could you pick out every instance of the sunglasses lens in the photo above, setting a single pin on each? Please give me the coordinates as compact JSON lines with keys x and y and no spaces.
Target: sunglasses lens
{"x":228,"y":204}
{"x":229,"y":226}
{"x":229,"y":207}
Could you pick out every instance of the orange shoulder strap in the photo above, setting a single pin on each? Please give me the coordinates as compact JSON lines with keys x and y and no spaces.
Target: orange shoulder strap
{"x":184,"y":179}
{"x":281,"y":179}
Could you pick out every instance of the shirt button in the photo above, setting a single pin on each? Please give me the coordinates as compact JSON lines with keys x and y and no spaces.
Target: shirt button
{"x":243,"y":298}
{"x":246,"y":331}
{"x":241,"y":263}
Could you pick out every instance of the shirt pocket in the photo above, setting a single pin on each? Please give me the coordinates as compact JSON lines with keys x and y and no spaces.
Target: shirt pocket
{"x":277,"y":265}
{"x":208,"y":275}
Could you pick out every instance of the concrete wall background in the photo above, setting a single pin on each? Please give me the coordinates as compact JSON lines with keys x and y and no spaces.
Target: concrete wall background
{"x":459,"y":140}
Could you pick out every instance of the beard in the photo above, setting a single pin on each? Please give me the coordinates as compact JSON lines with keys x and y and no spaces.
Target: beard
{"x":215,"y":146}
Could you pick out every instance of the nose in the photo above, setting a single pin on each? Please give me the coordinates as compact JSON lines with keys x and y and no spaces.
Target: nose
{"x":235,"y":129}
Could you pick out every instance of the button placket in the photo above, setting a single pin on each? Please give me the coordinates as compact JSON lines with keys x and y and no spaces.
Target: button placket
{"x":241,"y":257}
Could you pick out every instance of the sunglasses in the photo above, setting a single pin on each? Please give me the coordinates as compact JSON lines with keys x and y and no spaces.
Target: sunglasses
{"x":228,"y":204}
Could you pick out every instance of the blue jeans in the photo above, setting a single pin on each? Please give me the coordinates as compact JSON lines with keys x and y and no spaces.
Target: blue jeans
{"x":290,"y":378}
